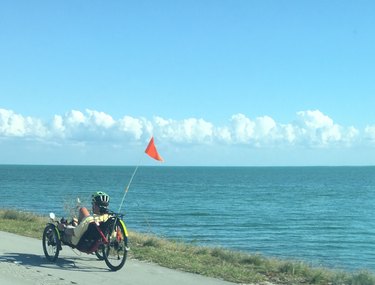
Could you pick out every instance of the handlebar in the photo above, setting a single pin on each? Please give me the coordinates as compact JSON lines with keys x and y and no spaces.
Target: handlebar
{"x":115,"y":214}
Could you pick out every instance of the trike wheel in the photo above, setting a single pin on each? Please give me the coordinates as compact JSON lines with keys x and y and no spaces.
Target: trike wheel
{"x":115,"y":252}
{"x":51,"y":243}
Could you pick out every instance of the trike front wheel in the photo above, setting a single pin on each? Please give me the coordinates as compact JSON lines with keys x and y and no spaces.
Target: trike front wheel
{"x":51,"y":243}
{"x":115,"y":251}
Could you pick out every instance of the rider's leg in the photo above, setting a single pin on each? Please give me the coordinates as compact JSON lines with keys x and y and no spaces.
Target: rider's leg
{"x":81,"y":229}
{"x":83,"y":213}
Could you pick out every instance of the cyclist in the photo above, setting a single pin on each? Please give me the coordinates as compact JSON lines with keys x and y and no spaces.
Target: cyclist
{"x":100,"y":201}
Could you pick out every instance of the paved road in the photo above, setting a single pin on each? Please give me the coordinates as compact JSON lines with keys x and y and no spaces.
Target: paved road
{"x":22,"y":262}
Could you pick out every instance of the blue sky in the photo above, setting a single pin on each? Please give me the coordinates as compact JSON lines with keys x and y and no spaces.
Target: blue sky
{"x":216,"y":82}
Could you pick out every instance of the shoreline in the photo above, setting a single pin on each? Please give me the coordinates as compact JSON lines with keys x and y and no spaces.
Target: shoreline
{"x":212,"y":262}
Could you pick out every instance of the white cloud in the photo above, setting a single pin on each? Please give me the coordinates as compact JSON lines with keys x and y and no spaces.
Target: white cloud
{"x":57,"y":126}
{"x":15,"y":125}
{"x":242,"y":128}
{"x":75,"y":118}
{"x":288,"y":132}
{"x":313,"y":128}
{"x":310,"y":129}
{"x":100,"y":119}
{"x":370,"y":133}
{"x":263,"y":131}
{"x":314,"y":119}
{"x":132,"y":126}
{"x":223,"y":134}
{"x":190,"y":130}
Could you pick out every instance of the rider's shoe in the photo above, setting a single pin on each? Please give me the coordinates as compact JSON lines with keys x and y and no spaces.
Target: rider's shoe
{"x":74,"y":222}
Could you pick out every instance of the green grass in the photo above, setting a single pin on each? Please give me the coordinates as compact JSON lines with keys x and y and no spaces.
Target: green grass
{"x":214,"y":262}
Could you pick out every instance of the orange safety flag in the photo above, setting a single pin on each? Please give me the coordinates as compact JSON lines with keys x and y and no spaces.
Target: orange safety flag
{"x":151,"y":150}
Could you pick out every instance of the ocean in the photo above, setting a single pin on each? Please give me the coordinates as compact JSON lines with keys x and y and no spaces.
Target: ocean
{"x":320,"y":215}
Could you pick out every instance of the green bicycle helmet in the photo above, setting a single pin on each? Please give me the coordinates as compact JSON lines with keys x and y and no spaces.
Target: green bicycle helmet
{"x":100,"y":198}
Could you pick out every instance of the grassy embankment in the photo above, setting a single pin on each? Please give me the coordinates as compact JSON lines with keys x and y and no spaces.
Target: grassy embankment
{"x":214,"y":262}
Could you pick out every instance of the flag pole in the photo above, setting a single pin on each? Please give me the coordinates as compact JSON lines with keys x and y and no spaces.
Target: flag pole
{"x":127,"y":187}
{"x":152,"y":152}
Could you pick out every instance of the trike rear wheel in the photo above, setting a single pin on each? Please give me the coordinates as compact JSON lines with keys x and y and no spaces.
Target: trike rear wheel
{"x":99,"y":253}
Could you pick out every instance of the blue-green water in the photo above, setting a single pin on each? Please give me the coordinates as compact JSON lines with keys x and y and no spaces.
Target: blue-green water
{"x":322,"y":215}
